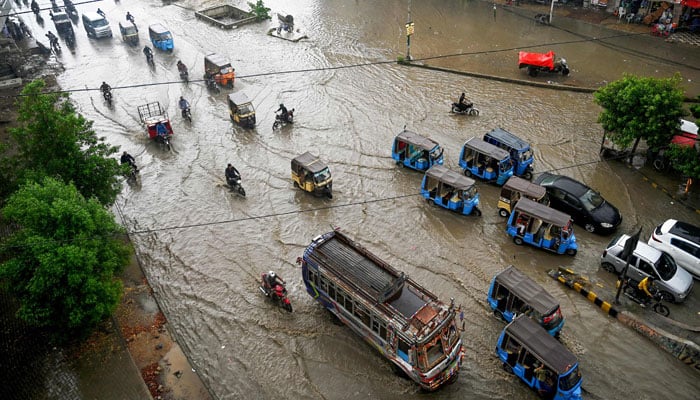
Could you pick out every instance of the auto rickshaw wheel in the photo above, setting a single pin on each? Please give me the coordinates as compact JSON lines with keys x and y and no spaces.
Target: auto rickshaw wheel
{"x":518,"y":240}
{"x":532,"y":71}
{"x":503,"y":212}
{"x":507,"y":368}
{"x":565,"y":72}
{"x":527,"y":175}
{"x":571,"y":252}
{"x":477,"y":211}
{"x":467,"y":172}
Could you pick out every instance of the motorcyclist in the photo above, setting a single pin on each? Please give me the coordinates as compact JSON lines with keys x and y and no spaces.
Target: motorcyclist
{"x":106,"y":89}
{"x":129,"y":159}
{"x":232,"y":175}
{"x":274,"y":280}
{"x":284,"y":113}
{"x":148,"y":52}
{"x":53,"y":40}
{"x":35,"y":7}
{"x":184,"y":105}
{"x":645,"y":287}
{"x":211,"y":81}
{"x":130,"y":18}
{"x":463,"y":103}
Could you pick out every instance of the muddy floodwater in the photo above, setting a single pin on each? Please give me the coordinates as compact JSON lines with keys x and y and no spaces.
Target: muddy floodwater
{"x":204,"y":249}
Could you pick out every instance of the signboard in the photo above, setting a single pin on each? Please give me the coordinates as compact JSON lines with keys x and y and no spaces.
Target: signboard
{"x":409,"y":29}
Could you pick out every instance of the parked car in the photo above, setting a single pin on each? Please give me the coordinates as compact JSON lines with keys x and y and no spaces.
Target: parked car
{"x":674,"y":283}
{"x":586,"y":206}
{"x":681,"y":241}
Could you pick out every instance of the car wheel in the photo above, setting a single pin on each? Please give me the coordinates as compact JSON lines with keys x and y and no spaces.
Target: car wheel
{"x":666,"y":296}
{"x":608,"y":267}
{"x":518,"y":240}
{"x":503,"y":212}
{"x":590,"y":228}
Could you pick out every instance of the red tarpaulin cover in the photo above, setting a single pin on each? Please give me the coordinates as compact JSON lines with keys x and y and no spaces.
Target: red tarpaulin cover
{"x":538,"y":59}
{"x":691,"y":3}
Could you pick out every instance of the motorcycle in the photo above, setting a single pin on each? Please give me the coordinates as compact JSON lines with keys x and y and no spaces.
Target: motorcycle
{"x":236,"y":186}
{"x":149,"y":58}
{"x":643,"y":300}
{"x":70,"y":40}
{"x":278,"y":294}
{"x":464,"y":109}
{"x":187,"y":114}
{"x":107,"y":94}
{"x":280,"y":121}
{"x":211,"y":84}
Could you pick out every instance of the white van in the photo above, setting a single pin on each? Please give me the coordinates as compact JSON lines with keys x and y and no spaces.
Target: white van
{"x":681,"y":241}
{"x":96,"y":25}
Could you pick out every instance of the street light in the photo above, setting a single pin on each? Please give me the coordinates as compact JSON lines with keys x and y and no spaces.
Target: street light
{"x":551,"y":12}
{"x":409,"y":32}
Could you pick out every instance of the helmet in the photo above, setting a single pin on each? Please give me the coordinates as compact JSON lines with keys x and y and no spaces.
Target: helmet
{"x":281,"y":105}
{"x":271,"y":274}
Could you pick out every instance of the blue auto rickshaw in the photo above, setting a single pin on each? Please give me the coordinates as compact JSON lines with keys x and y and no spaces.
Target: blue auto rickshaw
{"x":450,"y":190}
{"x":161,"y":37}
{"x":512,"y":293}
{"x":540,"y":226}
{"x":415,"y":151}
{"x":519,"y":149}
{"x":486,"y":161}
{"x":539,"y":360}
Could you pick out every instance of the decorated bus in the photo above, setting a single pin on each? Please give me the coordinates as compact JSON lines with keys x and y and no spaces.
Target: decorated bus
{"x":404,"y":321}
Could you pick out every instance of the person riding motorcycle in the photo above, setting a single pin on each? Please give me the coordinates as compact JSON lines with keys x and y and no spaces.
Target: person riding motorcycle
{"x":35,"y":7}
{"x":53,"y":40}
{"x":285,"y":114}
{"x":232,"y":175}
{"x":645,"y":287}
{"x":106,"y":89}
{"x":161,"y":130}
{"x":148,"y":52}
{"x":184,"y":106}
{"x":274,"y":280}
{"x":463,"y":103}
{"x":129,"y":159}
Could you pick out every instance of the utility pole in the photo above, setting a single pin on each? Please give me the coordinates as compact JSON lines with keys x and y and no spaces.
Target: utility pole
{"x":551,"y":12}
{"x":409,"y":32}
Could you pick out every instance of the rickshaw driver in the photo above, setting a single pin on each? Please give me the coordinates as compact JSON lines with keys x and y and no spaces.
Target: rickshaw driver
{"x":232,"y":175}
{"x":161,"y":130}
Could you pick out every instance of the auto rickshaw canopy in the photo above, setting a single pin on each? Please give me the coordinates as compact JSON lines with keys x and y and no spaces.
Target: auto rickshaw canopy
{"x":215,"y":60}
{"x":308,"y":162}
{"x":446,"y":175}
{"x":503,"y":136}
{"x":416,"y":140}
{"x":159,"y":32}
{"x":525,"y":188}
{"x":528,"y":290}
{"x":240,"y":103}
{"x":537,"y":59}
{"x":128,"y":29}
{"x":542,"y":212}
{"x":488,"y":149}
{"x":545,"y":347}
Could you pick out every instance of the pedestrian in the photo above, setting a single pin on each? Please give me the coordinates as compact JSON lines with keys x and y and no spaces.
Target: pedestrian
{"x":494,"y":10}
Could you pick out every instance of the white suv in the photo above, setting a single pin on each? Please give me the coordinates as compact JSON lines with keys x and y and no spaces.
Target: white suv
{"x":681,"y":241}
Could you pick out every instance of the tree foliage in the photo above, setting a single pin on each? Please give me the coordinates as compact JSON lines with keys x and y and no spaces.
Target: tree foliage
{"x":61,"y":263}
{"x":685,"y":159}
{"x":53,"y":140}
{"x":641,"y":108}
{"x":695,"y":110}
{"x":261,"y":12}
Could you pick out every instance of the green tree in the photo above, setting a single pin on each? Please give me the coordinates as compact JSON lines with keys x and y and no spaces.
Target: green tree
{"x":695,"y":109}
{"x":61,"y":262}
{"x":637,"y":108}
{"x":261,"y":12}
{"x":684,"y":159}
{"x":53,"y":140}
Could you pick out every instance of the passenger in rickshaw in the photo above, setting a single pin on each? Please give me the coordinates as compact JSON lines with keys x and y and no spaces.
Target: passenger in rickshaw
{"x":464,"y":103}
{"x":544,"y":376}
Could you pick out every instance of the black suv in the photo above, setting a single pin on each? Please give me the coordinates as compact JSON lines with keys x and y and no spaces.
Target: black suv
{"x":585,"y":206}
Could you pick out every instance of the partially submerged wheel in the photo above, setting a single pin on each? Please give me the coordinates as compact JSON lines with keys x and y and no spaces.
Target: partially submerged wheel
{"x":473,"y":111}
{"x":503,"y":212}
{"x":467,"y":173}
{"x":570,"y":252}
{"x":276,"y":125}
{"x":589,"y":227}
{"x":518,"y":240}
{"x":507,"y":368}
{"x":476,"y":211}
{"x":565,"y":71}
{"x":527,"y":175}
{"x":661,"y":309}
{"x":532,"y":71}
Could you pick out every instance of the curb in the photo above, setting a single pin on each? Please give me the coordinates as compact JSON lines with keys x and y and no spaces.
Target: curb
{"x":685,"y":350}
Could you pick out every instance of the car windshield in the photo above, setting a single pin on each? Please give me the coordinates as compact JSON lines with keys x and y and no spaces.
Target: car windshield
{"x":435,"y":353}
{"x":666,"y":267}
{"x":100,"y":22}
{"x":322,"y":176}
{"x":591,"y":200}
{"x":245,"y":108}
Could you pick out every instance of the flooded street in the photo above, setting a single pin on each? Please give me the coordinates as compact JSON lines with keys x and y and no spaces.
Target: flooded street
{"x":204,"y":248}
